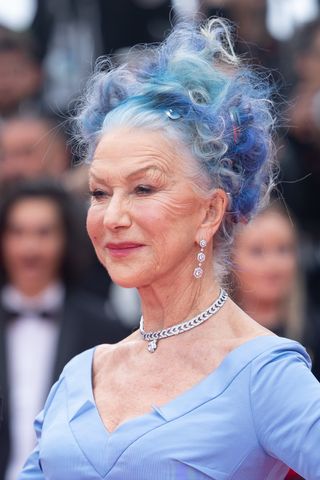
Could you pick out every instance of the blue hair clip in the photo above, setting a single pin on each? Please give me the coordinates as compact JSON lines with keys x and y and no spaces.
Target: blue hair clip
{"x":236,"y":123}
{"x":173,"y":114}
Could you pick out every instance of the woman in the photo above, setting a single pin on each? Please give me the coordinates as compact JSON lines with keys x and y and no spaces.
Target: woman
{"x":266,"y":284}
{"x":45,"y":318}
{"x":180,"y":147}
{"x":265,"y":280}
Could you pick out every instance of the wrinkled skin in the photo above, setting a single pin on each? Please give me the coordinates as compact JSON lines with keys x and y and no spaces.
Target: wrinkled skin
{"x":142,"y":195}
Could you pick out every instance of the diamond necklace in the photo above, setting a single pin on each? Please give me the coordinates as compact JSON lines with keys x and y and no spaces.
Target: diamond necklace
{"x":153,"y":337}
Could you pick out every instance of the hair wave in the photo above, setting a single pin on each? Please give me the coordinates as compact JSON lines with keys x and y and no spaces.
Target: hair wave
{"x":222,"y":112}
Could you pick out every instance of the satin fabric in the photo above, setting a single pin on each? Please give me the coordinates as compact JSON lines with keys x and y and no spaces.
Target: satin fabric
{"x":258,"y":412}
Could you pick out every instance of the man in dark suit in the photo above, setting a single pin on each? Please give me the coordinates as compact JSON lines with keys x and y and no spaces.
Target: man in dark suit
{"x":81,"y":323}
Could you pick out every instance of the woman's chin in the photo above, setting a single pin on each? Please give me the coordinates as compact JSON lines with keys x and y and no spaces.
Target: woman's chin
{"x":128,"y":281}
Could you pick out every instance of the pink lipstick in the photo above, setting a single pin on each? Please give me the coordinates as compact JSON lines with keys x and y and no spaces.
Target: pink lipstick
{"x":123,"y":249}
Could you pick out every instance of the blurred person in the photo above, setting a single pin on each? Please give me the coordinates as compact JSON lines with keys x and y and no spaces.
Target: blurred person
{"x":36,"y":146}
{"x":265,"y":274}
{"x":266,"y":282}
{"x":253,"y":38}
{"x":72,"y":34}
{"x":21,"y":76}
{"x":305,"y":108}
{"x":129,"y":22}
{"x":32,"y":147}
{"x":299,"y":156}
{"x":45,"y":318}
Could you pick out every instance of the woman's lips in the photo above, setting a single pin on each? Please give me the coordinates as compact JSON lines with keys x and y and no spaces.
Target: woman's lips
{"x":123,"y":249}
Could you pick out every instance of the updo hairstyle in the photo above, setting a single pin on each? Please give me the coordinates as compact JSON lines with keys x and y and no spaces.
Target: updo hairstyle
{"x":195,"y":90}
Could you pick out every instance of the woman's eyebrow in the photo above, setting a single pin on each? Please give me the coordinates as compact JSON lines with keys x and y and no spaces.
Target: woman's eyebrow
{"x":139,"y":171}
{"x":146,"y":169}
{"x":93,"y":175}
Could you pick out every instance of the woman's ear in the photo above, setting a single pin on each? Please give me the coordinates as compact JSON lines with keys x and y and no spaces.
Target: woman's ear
{"x":215,"y":209}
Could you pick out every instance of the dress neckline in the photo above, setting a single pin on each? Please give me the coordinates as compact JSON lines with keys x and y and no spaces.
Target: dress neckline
{"x":168,"y":408}
{"x":83,"y":414}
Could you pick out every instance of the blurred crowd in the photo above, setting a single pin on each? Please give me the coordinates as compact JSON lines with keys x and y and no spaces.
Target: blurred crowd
{"x":55,"y":298}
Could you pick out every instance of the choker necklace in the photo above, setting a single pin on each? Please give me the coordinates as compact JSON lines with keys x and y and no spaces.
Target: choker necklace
{"x":153,"y":337}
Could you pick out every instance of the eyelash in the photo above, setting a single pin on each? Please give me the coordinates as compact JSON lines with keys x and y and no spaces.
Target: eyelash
{"x":97,"y":193}
{"x":140,"y":190}
{"x":144,"y":189}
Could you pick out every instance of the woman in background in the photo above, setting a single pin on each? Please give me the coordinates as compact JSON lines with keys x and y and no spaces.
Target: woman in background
{"x":265,"y":278}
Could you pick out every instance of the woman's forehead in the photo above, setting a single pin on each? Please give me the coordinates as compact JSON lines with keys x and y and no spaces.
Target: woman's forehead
{"x":266,"y":228}
{"x":124,"y":140}
{"x":135,"y":151}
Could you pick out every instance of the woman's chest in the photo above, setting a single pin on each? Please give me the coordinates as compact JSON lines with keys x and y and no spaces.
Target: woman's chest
{"x":124,"y":389}
{"x":122,"y":397}
{"x":204,"y":433}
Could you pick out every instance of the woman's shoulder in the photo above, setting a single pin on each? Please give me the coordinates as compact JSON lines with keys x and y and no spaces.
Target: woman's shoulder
{"x":285,"y":403}
{"x":260,"y":346}
{"x":263,"y":357}
{"x":278,"y":350}
{"x":280,"y":365}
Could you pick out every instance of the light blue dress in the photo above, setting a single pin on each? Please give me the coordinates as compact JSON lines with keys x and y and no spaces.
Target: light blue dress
{"x":256,"y":413}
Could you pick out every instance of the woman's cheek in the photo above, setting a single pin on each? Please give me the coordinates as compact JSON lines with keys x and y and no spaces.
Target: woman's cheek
{"x":158,"y":213}
{"x":289,"y":269}
{"x":94,"y":224}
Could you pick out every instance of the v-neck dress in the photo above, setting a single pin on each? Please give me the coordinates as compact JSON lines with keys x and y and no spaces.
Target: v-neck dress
{"x":258,"y":412}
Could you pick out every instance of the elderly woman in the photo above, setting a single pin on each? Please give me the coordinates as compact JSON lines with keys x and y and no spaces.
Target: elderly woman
{"x":181,"y":152}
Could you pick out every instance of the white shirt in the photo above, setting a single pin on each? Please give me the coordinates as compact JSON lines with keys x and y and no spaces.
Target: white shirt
{"x":31,"y":347}
{"x":125,"y":302}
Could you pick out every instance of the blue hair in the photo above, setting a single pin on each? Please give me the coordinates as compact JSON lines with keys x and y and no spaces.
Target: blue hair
{"x":192,"y":88}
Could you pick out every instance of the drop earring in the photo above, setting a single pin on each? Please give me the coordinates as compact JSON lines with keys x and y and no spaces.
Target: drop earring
{"x":198,"y":271}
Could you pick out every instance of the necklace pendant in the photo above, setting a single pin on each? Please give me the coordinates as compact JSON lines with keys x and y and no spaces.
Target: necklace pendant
{"x":152,"y":346}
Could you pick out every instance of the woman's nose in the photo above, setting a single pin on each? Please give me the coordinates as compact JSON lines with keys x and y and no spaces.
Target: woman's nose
{"x":117,"y":213}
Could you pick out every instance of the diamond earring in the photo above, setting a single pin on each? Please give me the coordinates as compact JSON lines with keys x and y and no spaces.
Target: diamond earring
{"x":198,"y":271}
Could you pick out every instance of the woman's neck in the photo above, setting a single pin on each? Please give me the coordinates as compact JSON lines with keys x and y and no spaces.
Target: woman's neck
{"x":177,"y":299}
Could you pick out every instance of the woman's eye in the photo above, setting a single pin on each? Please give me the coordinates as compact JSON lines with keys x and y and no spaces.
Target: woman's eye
{"x":285,"y":250}
{"x":256,"y":251}
{"x":97,"y":194}
{"x":144,"y":189}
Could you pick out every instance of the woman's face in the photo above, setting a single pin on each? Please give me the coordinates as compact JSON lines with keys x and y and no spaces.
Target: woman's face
{"x":308,"y":64}
{"x":144,"y":216}
{"x":265,"y":258}
{"x":33,"y":243}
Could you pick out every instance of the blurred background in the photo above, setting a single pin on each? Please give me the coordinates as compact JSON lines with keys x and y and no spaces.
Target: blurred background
{"x":55,"y":298}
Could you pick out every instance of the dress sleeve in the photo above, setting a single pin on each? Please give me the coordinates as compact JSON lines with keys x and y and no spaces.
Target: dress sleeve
{"x":32,"y":468}
{"x":285,"y":402}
